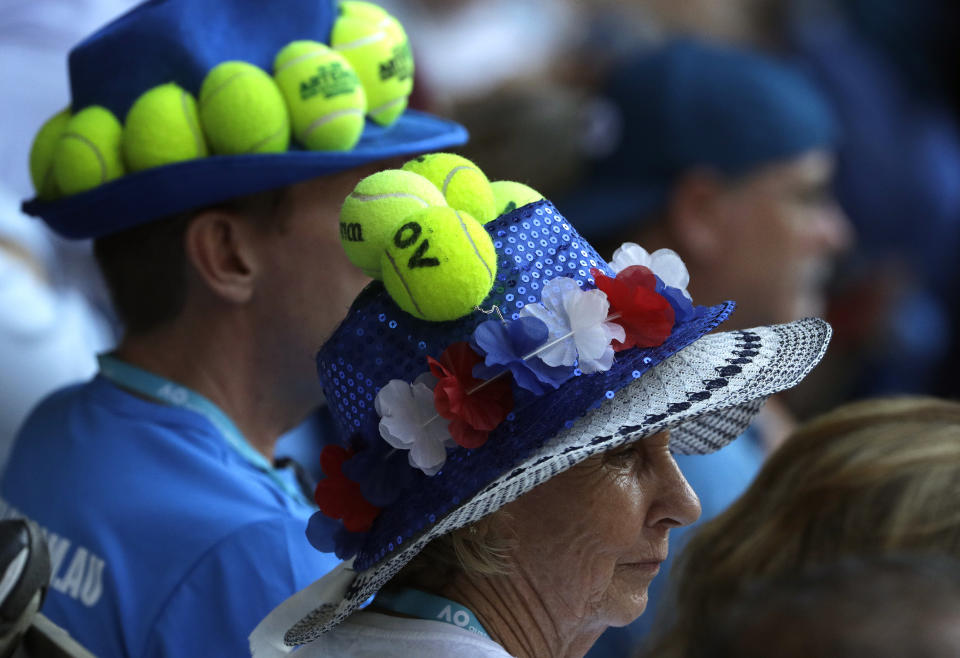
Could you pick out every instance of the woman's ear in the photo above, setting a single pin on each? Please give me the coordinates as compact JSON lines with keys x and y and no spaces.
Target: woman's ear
{"x":220,"y":250}
{"x":694,"y":216}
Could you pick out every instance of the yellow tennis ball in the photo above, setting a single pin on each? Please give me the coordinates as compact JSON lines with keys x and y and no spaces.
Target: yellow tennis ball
{"x":381,"y":57}
{"x":439,"y":264}
{"x":162,"y":126}
{"x":242,"y":111}
{"x":325,"y":98}
{"x":41,"y":155}
{"x":509,"y":195}
{"x":367,"y":11}
{"x":464,"y":186}
{"x":378,"y":204}
{"x":88,"y":151}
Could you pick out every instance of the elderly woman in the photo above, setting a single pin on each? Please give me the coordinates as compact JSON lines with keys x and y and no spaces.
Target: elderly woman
{"x":505,"y":484}
{"x":868,"y":479}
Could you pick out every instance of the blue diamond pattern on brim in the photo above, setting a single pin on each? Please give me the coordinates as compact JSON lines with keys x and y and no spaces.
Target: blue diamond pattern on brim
{"x":378,"y":342}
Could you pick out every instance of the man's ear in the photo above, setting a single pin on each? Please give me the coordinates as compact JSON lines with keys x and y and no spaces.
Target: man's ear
{"x":694,"y":215}
{"x":220,"y":250}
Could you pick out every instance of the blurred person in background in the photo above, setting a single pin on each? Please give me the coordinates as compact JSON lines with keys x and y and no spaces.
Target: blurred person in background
{"x":727,"y":158}
{"x":54,"y":309}
{"x":890,"y":68}
{"x":171,"y":526}
{"x":871,"y":478}
{"x":878,"y":607}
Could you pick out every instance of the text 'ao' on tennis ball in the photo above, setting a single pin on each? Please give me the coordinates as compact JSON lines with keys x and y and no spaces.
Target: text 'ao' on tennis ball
{"x":464,"y":185}
{"x":379,"y":52}
{"x":242,"y":111}
{"x":162,"y":127}
{"x":324,"y":96}
{"x":439,"y":264}
{"x":41,"y":155}
{"x":378,"y":204}
{"x":88,"y":151}
{"x":509,"y":195}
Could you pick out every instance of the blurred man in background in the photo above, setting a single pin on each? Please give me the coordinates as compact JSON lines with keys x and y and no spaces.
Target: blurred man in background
{"x":726,"y":158}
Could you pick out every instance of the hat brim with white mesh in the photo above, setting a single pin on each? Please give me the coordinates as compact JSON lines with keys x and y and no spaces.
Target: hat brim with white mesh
{"x":779,"y":357}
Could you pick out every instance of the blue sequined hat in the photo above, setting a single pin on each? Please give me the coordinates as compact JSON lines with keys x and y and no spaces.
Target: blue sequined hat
{"x":704,"y":387}
{"x":180,"y":41}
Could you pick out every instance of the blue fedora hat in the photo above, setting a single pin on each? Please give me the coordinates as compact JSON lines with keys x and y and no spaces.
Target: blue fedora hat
{"x":180,"y":41}
{"x":704,"y":387}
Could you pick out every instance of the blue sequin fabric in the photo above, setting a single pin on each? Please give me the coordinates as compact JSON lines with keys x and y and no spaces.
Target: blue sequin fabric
{"x":378,"y":342}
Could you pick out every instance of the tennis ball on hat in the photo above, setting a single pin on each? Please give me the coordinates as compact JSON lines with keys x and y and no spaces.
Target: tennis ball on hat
{"x":382,"y":60}
{"x":162,"y":126}
{"x":242,"y":111}
{"x":438,"y":264}
{"x":325,"y":98}
{"x":509,"y":195}
{"x":367,"y":11}
{"x":464,"y":186}
{"x":378,"y":204}
{"x":88,"y":151}
{"x":41,"y":155}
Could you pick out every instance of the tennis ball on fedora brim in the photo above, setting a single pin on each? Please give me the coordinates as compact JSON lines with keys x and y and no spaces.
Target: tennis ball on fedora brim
{"x":376,"y":207}
{"x":382,"y":60}
{"x":464,"y":186}
{"x":88,"y":151}
{"x":162,"y":126}
{"x":242,"y":111}
{"x":41,"y":155}
{"x":509,"y":195}
{"x":439,"y":264}
{"x":325,"y":98}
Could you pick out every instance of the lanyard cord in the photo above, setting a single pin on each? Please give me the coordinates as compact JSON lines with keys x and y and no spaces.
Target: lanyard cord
{"x":419,"y":604}
{"x":163,"y":390}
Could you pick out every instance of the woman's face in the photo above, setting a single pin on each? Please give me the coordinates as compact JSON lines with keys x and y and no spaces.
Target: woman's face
{"x":590,"y":540}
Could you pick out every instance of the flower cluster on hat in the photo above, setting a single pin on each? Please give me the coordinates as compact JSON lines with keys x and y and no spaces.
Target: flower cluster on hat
{"x":577,"y":324}
{"x":345,"y":515}
{"x":645,"y":315}
{"x":339,"y":497}
{"x":409,"y":421}
{"x":473,"y":406}
{"x":666,"y":264}
{"x":511,"y":346}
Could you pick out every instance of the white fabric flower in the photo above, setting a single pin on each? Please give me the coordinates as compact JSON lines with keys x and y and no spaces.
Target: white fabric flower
{"x":409,"y":421}
{"x":576,"y":320}
{"x":665,"y":263}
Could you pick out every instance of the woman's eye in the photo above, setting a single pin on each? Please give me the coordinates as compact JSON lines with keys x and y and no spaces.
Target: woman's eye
{"x":621,"y":457}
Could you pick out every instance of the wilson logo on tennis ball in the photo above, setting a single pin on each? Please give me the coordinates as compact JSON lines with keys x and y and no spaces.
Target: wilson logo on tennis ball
{"x":352,"y":232}
{"x":330,"y":80}
{"x":400,"y":66}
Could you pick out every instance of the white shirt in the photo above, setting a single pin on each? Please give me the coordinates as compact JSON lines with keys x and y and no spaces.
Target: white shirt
{"x":374,"y":635}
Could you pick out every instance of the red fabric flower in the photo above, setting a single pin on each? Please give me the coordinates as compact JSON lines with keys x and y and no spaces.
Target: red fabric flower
{"x":645,"y":315}
{"x":473,"y":415}
{"x":339,"y":497}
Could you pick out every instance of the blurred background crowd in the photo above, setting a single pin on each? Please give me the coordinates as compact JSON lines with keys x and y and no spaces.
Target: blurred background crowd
{"x":830,"y":190}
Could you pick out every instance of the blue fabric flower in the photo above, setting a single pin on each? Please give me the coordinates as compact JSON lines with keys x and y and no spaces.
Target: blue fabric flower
{"x":329,"y":536}
{"x":505,"y":345}
{"x":683,"y":309}
{"x":381,"y":471}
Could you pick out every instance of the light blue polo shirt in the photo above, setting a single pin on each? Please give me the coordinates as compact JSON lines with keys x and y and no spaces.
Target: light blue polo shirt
{"x":165,"y":541}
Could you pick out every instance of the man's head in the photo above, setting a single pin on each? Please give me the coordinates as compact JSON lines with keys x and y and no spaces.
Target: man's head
{"x":268,"y":266}
{"x":726,"y":157}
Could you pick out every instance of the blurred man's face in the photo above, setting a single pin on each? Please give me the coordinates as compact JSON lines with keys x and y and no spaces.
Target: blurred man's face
{"x":782,"y":231}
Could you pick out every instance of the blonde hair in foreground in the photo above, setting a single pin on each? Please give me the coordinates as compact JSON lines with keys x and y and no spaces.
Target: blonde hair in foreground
{"x":869,"y":478}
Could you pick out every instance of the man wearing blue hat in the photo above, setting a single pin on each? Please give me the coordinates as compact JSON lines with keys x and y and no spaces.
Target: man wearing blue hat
{"x":725,"y":157}
{"x":171,"y":528}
